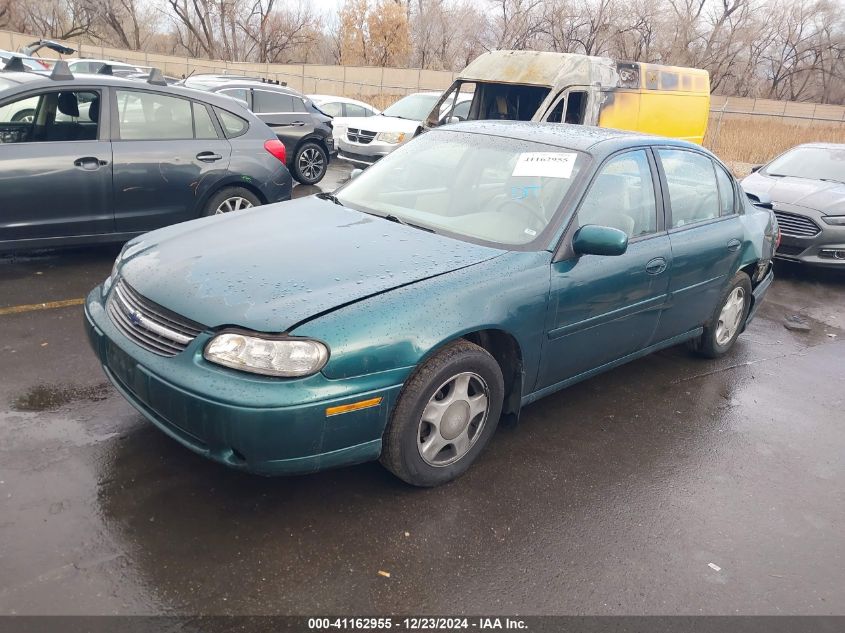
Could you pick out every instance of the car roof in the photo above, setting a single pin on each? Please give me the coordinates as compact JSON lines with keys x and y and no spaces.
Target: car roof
{"x":234,"y":81}
{"x":821,"y":145}
{"x":35,"y":80}
{"x":324,"y":98}
{"x":593,"y":140}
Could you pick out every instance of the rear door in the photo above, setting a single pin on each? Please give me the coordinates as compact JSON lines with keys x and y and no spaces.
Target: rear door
{"x":285,"y":114}
{"x":55,"y":165}
{"x":169,"y":155}
{"x":706,"y":236}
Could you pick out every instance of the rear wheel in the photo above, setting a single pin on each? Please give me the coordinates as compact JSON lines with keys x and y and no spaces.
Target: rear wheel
{"x":724,"y":327}
{"x":231,"y":199}
{"x":446,"y":414}
{"x":310,"y":163}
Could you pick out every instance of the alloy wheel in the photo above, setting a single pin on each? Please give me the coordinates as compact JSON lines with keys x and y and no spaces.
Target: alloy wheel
{"x":311,"y":163}
{"x":235,"y":203}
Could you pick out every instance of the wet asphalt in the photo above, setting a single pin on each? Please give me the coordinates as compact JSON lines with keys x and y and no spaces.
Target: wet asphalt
{"x":612,"y":497}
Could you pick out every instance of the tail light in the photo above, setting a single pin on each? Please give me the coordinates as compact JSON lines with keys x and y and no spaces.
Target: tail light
{"x":277,"y":149}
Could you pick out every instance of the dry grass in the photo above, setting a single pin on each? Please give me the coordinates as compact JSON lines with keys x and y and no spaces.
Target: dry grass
{"x":380,"y":101}
{"x":755,"y":141}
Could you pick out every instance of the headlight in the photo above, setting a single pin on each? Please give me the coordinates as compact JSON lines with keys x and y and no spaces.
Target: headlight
{"x":391,"y":137}
{"x":835,"y":220}
{"x":287,"y":357}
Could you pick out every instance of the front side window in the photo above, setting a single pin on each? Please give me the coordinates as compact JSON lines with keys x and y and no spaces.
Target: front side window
{"x":622,"y":196}
{"x":236,"y":93}
{"x":55,"y":116}
{"x":150,"y":116}
{"x":693,"y":193}
{"x":505,"y":192}
{"x":271,"y":102}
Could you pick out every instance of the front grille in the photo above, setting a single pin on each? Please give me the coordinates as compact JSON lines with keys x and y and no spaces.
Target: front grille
{"x":150,"y":326}
{"x":796,"y":225}
{"x":360,"y":136}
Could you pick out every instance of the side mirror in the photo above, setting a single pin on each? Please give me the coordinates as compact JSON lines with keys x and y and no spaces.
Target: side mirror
{"x":355,"y":173}
{"x":760,"y":199}
{"x":756,"y":168}
{"x":599,"y":240}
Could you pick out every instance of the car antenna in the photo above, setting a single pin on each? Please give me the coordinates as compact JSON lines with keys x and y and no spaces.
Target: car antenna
{"x":156,"y":78}
{"x":14,"y":65}
{"x":61,"y":71}
{"x":105,"y":69}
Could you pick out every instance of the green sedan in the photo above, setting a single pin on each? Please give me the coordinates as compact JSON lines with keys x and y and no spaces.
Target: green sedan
{"x":477,"y":268}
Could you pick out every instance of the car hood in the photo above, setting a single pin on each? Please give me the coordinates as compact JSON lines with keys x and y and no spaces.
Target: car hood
{"x":379,"y":123}
{"x":273,"y":267}
{"x":825,"y":197}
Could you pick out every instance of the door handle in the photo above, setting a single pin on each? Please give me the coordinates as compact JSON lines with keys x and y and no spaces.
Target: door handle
{"x":656,"y":266}
{"x":208,"y":157}
{"x":90,"y":163}
{"x":734,"y":244}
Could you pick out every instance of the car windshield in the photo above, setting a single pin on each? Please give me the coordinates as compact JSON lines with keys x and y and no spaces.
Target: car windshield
{"x":815,"y":163}
{"x":487,"y":188}
{"x":413,"y":107}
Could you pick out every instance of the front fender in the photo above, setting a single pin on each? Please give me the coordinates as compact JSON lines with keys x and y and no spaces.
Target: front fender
{"x":760,"y":240}
{"x":400,"y":328}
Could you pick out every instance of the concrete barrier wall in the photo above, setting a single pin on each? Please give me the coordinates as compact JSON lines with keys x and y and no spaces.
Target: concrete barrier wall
{"x":386,"y":82}
{"x":308,"y":78}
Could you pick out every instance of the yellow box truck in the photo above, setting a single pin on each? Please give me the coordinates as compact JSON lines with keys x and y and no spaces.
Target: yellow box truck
{"x":567,"y":88}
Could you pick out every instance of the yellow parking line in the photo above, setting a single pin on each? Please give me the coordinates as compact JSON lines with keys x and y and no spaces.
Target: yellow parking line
{"x":32,"y":307}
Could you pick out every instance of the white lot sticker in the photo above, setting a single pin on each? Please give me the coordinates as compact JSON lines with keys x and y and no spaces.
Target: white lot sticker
{"x":545,"y":164}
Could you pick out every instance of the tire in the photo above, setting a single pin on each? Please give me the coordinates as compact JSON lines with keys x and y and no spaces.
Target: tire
{"x":722,"y":330}
{"x":230,"y":199}
{"x":460,"y":428}
{"x":310,"y":163}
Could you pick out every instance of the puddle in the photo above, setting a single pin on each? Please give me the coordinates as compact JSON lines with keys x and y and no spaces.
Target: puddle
{"x":49,"y":397}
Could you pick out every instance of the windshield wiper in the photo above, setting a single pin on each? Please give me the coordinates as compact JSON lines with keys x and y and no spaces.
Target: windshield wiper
{"x":394,"y":218}
{"x":330,"y":197}
{"x":839,"y":182}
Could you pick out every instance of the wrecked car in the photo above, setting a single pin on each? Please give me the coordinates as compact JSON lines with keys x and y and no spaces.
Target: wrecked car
{"x":476,"y":269}
{"x":580,"y":89}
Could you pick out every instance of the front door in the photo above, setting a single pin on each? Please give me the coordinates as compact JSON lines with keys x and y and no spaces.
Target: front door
{"x":168,"y":157}
{"x":603,"y":308}
{"x":53,"y":141}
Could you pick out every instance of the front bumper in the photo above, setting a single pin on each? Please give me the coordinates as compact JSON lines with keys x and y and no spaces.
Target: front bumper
{"x":261,"y":425}
{"x":363,"y":154}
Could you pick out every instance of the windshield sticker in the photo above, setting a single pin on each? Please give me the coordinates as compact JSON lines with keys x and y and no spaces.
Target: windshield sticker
{"x":545,"y":164}
{"x":528,"y":191}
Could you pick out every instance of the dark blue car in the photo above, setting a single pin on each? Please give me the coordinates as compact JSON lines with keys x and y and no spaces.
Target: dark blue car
{"x":94,"y":158}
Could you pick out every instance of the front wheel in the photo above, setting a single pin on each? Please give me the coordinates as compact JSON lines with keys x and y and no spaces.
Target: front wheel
{"x":446,"y":414}
{"x":310,"y":163}
{"x":723,"y":328}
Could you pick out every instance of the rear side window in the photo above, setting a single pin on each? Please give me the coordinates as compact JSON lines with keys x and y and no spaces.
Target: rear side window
{"x":693,"y":193}
{"x":150,"y":116}
{"x":233,"y":125}
{"x":726,"y":191}
{"x":266,"y":101}
{"x":203,"y":126}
